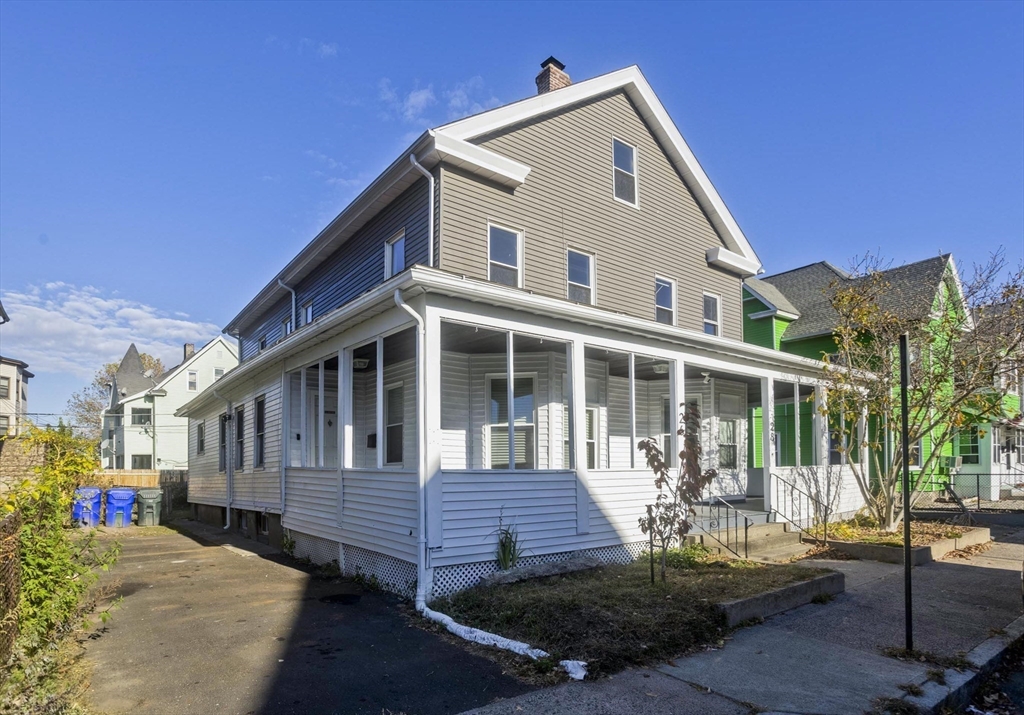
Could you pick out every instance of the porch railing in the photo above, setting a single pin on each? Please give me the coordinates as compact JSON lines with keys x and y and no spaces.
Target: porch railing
{"x":725,"y":523}
{"x":797,"y":507}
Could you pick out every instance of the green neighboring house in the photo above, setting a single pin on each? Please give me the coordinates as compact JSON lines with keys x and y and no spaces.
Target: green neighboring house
{"x":790,"y":312}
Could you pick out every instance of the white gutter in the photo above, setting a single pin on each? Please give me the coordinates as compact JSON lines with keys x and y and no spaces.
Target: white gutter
{"x":229,"y":463}
{"x":430,"y":220}
{"x":421,"y":438}
{"x":294,"y":322}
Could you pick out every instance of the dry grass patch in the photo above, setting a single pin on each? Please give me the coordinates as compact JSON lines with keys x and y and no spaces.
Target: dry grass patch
{"x":866,"y":530}
{"x":612,"y":617}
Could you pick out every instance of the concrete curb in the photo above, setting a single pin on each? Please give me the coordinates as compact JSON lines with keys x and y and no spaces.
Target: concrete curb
{"x":782,"y":599}
{"x":960,"y":687}
{"x":919,"y":554}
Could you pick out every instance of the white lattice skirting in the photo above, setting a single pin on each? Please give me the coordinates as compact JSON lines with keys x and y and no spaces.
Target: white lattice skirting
{"x":315,"y":548}
{"x":451,"y":579}
{"x":391,"y":574}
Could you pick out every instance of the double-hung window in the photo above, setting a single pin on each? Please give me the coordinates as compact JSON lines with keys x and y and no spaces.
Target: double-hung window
{"x":712,"y":314}
{"x":286,"y":327}
{"x":193,"y":380}
{"x":218,"y":373}
{"x":624,"y":170}
{"x":394,"y":255}
{"x":240,"y":438}
{"x":307,"y":313}
{"x":505,"y":255}
{"x":142,"y":416}
{"x":969,"y":448}
{"x":259,"y":432}
{"x":394,"y":423}
{"x":728,"y":452}
{"x":142,"y":461}
{"x":263,"y":343}
{"x":5,"y":388}
{"x":580,"y":277}
{"x":665,"y":301}
{"x":5,"y":425}
{"x":524,"y":417}
{"x":200,"y":438}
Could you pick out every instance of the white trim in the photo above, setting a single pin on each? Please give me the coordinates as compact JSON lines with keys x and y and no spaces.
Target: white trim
{"x":632,"y":81}
{"x":636,"y":172}
{"x":479,"y":160}
{"x":717,"y":322}
{"x":675,"y":300}
{"x":733,"y":262}
{"x":592,"y":274}
{"x":389,"y":248}
{"x":520,"y":252}
{"x":772,"y":314}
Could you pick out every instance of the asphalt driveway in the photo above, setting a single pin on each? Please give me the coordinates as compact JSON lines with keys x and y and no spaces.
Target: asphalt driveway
{"x":206,"y":627}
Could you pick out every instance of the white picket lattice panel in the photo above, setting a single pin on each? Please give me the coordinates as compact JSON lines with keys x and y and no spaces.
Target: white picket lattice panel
{"x":315,"y":548}
{"x":451,"y":579}
{"x":391,"y":574}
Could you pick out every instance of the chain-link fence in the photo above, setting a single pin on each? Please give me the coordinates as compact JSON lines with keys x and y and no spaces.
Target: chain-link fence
{"x":10,"y":583}
{"x":981,"y":492}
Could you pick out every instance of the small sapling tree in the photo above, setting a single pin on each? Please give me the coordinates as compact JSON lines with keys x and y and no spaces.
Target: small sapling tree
{"x":668,"y":519}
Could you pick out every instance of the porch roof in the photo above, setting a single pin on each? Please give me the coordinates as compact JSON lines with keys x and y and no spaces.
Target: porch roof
{"x":420,"y":279}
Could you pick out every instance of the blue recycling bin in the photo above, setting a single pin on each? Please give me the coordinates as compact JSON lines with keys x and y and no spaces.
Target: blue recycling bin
{"x":86,"y":509}
{"x":120,"y":501}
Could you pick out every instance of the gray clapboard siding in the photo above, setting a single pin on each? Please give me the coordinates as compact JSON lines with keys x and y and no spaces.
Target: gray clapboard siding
{"x":356,"y":267}
{"x":379,"y":512}
{"x":567,"y":202}
{"x":206,"y":484}
{"x":256,"y":487}
{"x":311,"y":500}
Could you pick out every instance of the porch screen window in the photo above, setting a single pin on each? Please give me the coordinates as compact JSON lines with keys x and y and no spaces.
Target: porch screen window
{"x":968,"y":443}
{"x":523,"y":417}
{"x":712,"y":315}
{"x":624,"y":160}
{"x":505,"y":251}
{"x":222,"y":443}
{"x":142,"y":461}
{"x":142,"y":416}
{"x":394,"y":423}
{"x":200,"y":438}
{"x":259,"y":432}
{"x":727,"y":444}
{"x":664,"y":301}
{"x":240,"y":438}
{"x":193,"y":381}
{"x":581,"y":277}
{"x":312,"y":409}
{"x":394,"y":255}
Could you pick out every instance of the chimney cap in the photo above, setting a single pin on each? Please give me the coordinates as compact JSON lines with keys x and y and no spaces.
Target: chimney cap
{"x":552,"y":61}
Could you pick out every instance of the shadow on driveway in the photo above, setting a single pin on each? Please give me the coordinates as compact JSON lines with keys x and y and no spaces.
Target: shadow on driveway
{"x":204,"y":628}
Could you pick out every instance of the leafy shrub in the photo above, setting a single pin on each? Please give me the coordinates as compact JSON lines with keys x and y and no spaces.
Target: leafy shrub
{"x":688,"y":556}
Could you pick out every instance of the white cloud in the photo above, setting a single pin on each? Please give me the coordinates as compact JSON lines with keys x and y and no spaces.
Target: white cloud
{"x":323,"y":50}
{"x":62,"y":328}
{"x":322,"y":158}
{"x":469,"y":97}
{"x":412,"y":106}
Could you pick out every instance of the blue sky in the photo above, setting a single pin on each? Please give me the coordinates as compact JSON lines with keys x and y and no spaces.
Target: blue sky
{"x":160,"y":162}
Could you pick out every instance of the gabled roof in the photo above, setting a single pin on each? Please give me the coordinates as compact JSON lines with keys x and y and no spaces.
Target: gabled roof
{"x":4,"y":318}
{"x":771,"y":296}
{"x":452,"y":143}
{"x":911,"y":292}
{"x":131,"y":377}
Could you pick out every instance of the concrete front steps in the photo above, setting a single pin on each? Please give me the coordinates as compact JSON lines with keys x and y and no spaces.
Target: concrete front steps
{"x":770,"y":542}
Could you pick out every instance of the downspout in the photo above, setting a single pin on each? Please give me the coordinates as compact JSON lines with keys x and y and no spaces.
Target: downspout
{"x":430,"y":219}
{"x":229,"y":462}
{"x":421,"y":439}
{"x":294,"y":322}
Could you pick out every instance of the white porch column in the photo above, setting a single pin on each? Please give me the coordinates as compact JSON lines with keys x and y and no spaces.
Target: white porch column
{"x":678,"y":391}
{"x":434,"y":478}
{"x":380,"y":403}
{"x":796,"y":422}
{"x":820,"y":426}
{"x":768,"y":437}
{"x":577,"y":425}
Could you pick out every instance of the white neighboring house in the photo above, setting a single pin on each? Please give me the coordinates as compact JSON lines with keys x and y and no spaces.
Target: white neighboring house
{"x":14,"y":377}
{"x":140,"y":430}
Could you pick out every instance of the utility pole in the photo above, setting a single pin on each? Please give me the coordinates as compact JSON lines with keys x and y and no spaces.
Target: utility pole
{"x":908,"y":603}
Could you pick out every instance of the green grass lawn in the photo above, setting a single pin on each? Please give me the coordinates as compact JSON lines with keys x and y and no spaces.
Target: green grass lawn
{"x":612,"y":617}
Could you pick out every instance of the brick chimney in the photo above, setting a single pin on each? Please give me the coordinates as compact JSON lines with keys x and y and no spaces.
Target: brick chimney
{"x":190,"y":350}
{"x":552,"y":76}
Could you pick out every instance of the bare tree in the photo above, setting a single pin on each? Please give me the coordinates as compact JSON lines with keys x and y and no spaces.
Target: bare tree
{"x":963,"y":351}
{"x":668,"y":519}
{"x":86,"y":406}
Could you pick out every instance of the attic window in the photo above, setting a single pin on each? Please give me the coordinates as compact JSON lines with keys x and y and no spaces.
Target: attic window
{"x":193,"y":380}
{"x":624,"y":161}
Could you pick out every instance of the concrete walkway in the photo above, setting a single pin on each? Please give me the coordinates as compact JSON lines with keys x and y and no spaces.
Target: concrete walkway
{"x":212,"y":623}
{"x":822,"y":658}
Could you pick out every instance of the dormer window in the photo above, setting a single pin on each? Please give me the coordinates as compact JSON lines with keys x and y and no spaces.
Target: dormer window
{"x":712,"y":314}
{"x":624,"y":170}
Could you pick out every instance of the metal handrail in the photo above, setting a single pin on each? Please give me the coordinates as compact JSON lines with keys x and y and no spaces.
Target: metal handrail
{"x":732,"y":525}
{"x":798,"y":497}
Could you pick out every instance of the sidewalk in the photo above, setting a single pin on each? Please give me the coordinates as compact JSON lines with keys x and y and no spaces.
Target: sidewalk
{"x":824,"y":658}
